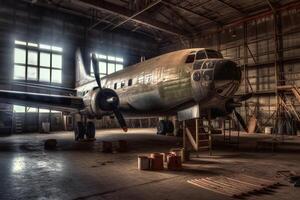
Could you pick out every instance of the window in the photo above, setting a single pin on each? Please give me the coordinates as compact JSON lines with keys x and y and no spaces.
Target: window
{"x":190,"y":58}
{"x":129,"y":82}
{"x":37,"y":62}
{"x":213,"y":54}
{"x":201,"y":55}
{"x":108,"y":64}
{"x":24,"y":109}
{"x":148,"y":78}
{"x":115,"y":86}
{"x":122,"y":84}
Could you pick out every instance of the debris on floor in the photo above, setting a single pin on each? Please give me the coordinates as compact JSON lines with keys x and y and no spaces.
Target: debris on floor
{"x":237,"y":186}
{"x":291,"y":176}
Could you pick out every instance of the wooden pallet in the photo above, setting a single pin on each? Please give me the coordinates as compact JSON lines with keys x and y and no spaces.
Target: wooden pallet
{"x":237,"y":186}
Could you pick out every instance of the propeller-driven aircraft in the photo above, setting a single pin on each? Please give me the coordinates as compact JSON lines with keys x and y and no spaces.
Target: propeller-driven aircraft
{"x":160,"y":86}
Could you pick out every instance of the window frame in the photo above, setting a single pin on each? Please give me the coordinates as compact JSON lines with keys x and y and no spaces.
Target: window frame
{"x":36,"y":48}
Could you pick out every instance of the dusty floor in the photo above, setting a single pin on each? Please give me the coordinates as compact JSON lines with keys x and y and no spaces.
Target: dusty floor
{"x":79,"y":170}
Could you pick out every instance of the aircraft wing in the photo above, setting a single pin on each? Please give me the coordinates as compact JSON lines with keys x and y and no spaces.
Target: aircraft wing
{"x":49,"y":101}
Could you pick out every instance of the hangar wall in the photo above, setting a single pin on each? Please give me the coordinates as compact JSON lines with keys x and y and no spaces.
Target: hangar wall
{"x":252,"y":45}
{"x":27,"y":22}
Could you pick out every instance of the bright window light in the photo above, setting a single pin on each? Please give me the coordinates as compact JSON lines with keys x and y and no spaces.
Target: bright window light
{"x":19,"y":72}
{"x":110,"y":68}
{"x":56,"y":61}
{"x":32,"y":58}
{"x":41,"y":110}
{"x":119,"y":67}
{"x":119,"y":59}
{"x":20,"y":56}
{"x":20,"y":42}
{"x":101,"y":56}
{"x":112,"y":58}
{"x":32,"y":44}
{"x":19,"y":109}
{"x":44,"y":46}
{"x":56,"y":76}
{"x":32,"y":110}
{"x":102,"y":67}
{"x":54,"y":48}
{"x":45,"y":59}
{"x":32,"y":73}
{"x":44,"y":75}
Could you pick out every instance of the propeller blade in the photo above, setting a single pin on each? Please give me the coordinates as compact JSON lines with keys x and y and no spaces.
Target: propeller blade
{"x":96,"y":69}
{"x":241,"y":120}
{"x":120,"y":119}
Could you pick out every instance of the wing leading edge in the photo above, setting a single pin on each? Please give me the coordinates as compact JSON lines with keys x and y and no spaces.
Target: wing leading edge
{"x":56,"y":102}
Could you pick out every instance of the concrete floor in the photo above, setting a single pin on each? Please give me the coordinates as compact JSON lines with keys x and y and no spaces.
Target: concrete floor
{"x":79,"y":170}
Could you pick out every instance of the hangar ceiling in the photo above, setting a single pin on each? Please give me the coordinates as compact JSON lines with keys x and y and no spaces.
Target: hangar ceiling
{"x":162,"y":19}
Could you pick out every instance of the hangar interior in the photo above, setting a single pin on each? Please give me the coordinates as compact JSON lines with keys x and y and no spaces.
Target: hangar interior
{"x":38,"y":43}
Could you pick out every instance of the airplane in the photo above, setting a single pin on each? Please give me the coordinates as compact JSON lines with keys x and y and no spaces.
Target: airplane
{"x":160,"y":86}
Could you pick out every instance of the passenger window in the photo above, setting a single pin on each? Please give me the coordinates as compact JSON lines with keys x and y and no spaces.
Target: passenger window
{"x":122,"y":84}
{"x":115,"y":86}
{"x":201,"y":55}
{"x":129,"y":82}
{"x":148,"y":78}
{"x":190,"y":58}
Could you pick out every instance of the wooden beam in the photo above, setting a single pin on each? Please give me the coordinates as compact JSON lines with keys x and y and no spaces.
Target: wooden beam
{"x":232,"y":7}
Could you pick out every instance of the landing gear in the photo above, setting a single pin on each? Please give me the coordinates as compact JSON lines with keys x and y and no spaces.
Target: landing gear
{"x":84,"y":129}
{"x":164,"y":127}
{"x":90,"y":130}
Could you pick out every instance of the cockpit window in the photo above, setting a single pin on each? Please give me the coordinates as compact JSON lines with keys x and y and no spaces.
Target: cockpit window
{"x":213,"y":54}
{"x":190,"y":58}
{"x":200,"y":55}
{"x":197,"y":65}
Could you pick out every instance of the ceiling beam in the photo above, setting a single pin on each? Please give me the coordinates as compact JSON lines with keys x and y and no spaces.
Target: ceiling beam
{"x":231,"y":6}
{"x":137,"y":13}
{"x":126,"y":13}
{"x":192,"y":12}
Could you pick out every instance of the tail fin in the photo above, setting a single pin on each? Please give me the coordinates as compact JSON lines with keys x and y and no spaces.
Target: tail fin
{"x":81,"y":76}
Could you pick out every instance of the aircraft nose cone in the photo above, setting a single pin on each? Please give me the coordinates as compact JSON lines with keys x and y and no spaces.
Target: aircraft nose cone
{"x":227,"y":77}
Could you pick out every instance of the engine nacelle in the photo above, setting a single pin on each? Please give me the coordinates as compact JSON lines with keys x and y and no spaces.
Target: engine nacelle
{"x":100,"y":102}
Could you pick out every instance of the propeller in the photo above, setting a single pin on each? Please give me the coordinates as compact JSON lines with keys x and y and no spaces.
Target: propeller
{"x":108,"y":97}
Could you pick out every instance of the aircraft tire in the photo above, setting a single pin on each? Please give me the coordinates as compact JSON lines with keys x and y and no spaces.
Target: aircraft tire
{"x":90,"y":130}
{"x":79,"y":131}
{"x":162,"y":127}
{"x":169,"y":126}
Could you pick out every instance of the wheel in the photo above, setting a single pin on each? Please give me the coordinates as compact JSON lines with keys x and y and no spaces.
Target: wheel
{"x":79,"y":131}
{"x":162,"y":127}
{"x":90,"y":130}
{"x":169,"y":126}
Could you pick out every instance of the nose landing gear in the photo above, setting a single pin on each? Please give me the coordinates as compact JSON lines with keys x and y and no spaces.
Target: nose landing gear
{"x":164,"y":127}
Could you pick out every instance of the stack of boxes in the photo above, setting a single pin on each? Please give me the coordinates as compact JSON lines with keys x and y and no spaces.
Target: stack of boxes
{"x":156,"y":161}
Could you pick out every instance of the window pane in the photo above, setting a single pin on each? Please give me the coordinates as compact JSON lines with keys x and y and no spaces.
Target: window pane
{"x":56,"y":76}
{"x":44,"y":110}
{"x":44,"y":46}
{"x":56,"y":61}
{"x":54,"y":48}
{"x":102,"y":75}
{"x":32,"y":110}
{"x":102,"y":67}
{"x":44,"y":75}
{"x":111,"y":58}
{"x":32,"y":44}
{"x":110,"y":68}
{"x":20,"y":56}
{"x":55,"y":111}
{"x":19,"y":109}
{"x":101,"y":56}
{"x":20,"y":42}
{"x":45,"y":59}
{"x":119,"y":59}
{"x":32,"y":73}
{"x":32,"y":58}
{"x":19,"y":72}
{"x":119,"y":67}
